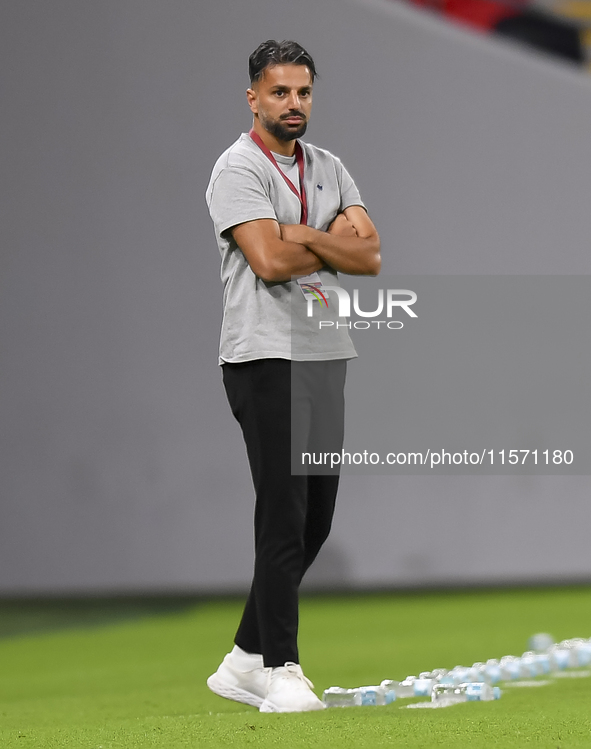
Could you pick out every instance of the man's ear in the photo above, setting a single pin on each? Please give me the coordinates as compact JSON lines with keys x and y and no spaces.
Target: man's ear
{"x":251,"y":98}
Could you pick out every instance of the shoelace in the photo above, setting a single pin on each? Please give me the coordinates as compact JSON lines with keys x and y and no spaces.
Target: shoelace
{"x":296,"y":670}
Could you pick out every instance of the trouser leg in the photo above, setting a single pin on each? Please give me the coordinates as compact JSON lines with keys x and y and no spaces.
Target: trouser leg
{"x":322,"y":492}
{"x":322,"y":495}
{"x":318,"y":427}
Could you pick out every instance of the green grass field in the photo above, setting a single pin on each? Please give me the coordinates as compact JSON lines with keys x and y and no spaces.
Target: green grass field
{"x":133,"y":680}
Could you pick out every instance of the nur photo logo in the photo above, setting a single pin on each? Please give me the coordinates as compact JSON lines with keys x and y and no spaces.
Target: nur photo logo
{"x":388,"y":300}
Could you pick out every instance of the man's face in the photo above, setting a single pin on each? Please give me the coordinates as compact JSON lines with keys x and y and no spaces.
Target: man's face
{"x":282,"y":99}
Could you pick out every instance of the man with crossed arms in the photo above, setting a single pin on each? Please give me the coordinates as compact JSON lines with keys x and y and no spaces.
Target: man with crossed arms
{"x":287,"y":217}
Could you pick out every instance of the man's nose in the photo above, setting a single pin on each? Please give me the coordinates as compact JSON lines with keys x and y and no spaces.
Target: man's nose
{"x":294,"y":100}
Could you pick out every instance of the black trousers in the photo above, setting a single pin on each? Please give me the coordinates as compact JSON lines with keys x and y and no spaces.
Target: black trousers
{"x":293,"y":513}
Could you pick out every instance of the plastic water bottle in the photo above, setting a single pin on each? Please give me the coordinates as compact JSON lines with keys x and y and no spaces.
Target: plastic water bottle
{"x":579,"y":652}
{"x":544,"y":661}
{"x":510,"y":667}
{"x":339,"y":697}
{"x":540,"y":642}
{"x":492,"y":670}
{"x":534,"y":664}
{"x":377,"y":695}
{"x":449,"y":694}
{"x":389,"y":686}
{"x":423,"y":684}
{"x":406,"y":687}
{"x":371,"y":695}
{"x":455,"y":676}
{"x":472,"y":674}
{"x":572,"y":645}
{"x":479,"y":671}
{"x":529,"y":665}
{"x":582,"y":652}
{"x":559,"y":657}
{"x":450,"y":677}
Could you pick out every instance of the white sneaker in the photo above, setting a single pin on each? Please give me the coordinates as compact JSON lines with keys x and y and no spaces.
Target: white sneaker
{"x":289,"y":691}
{"x":241,"y":677}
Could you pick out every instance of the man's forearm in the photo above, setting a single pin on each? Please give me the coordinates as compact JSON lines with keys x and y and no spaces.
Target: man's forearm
{"x":357,"y":256}
{"x":273,"y":258}
{"x":291,"y":259}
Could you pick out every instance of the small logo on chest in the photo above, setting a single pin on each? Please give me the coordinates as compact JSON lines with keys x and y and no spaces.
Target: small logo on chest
{"x":319,"y":186}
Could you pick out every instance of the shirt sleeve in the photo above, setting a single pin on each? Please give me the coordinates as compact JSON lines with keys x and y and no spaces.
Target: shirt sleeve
{"x":238,"y":196}
{"x":349,"y":192}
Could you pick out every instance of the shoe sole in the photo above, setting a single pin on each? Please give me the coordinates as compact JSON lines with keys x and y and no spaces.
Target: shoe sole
{"x":268,"y":707}
{"x":229,"y":692}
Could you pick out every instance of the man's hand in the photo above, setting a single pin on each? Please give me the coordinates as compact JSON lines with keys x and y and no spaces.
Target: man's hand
{"x":342,"y":227}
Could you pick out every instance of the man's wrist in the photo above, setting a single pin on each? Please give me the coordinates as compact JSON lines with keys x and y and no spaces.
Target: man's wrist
{"x":310,"y":236}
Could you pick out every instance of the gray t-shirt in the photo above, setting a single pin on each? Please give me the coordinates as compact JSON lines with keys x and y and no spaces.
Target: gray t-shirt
{"x":289,"y":167}
{"x":269,"y":320}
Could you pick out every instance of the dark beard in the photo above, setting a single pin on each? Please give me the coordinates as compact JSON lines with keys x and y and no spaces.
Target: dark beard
{"x":280,"y":131}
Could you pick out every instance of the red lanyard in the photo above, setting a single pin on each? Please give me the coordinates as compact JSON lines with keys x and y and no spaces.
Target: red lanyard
{"x":300,"y":159}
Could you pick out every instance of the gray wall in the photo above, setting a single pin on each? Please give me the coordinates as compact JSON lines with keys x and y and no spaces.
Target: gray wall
{"x":121,"y":466}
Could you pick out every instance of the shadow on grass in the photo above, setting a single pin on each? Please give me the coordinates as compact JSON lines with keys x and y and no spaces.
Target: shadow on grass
{"x":20,"y":617}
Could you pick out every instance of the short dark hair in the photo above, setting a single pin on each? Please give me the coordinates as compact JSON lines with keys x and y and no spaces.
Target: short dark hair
{"x":272,"y":53}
